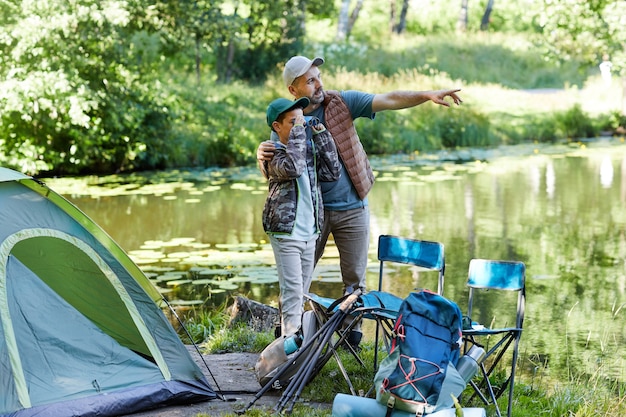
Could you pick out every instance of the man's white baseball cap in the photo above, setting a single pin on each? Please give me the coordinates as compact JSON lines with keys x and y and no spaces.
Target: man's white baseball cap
{"x":297,"y":66}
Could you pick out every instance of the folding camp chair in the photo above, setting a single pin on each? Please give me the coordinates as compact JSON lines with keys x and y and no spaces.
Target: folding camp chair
{"x":494,"y":275}
{"x":423,"y":254}
{"x":378,"y":305}
{"x":374,"y":305}
{"x":311,"y":357}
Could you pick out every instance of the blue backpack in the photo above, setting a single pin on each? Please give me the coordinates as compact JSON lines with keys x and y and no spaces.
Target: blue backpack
{"x":419,"y":374}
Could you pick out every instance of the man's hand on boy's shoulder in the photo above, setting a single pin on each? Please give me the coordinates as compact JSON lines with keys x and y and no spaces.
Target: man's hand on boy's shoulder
{"x":265,"y":151}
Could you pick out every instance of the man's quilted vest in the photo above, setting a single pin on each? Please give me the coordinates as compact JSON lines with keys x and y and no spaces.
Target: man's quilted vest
{"x":339,"y":123}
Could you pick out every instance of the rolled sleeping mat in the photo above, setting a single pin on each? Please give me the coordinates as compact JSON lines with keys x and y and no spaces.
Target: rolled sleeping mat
{"x":345,"y":405}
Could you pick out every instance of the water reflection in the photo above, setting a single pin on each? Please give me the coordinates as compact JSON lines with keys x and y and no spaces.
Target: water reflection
{"x":550,"y":179}
{"x":606,"y":172}
{"x":544,"y":208}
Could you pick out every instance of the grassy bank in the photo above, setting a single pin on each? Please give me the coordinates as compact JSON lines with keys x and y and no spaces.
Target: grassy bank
{"x":510,"y":95}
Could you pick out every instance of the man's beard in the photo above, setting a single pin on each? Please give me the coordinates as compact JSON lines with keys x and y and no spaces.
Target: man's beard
{"x":317,"y":97}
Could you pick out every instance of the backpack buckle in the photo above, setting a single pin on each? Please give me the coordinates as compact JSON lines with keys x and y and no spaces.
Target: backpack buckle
{"x":391,"y":402}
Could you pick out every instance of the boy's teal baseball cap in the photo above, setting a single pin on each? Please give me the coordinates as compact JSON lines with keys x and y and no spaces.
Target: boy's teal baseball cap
{"x":281,"y":105}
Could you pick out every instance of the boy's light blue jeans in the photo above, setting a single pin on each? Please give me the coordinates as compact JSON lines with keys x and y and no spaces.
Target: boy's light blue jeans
{"x":295,"y":260}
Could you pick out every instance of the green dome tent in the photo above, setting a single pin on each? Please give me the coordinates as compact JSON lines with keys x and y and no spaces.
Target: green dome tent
{"x":81,"y":333}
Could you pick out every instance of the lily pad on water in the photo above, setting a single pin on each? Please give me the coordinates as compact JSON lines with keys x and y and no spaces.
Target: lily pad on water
{"x":209,"y":272}
{"x":177,"y":282}
{"x":143,"y":261}
{"x":237,"y":246}
{"x":157,"y":269}
{"x":266,"y":279}
{"x":152,"y":245}
{"x":229,"y":286}
{"x":170,"y":260}
{"x":146,"y":254}
{"x":194,"y":260}
{"x":205,"y":281}
{"x":241,"y":186}
{"x":211,"y":188}
{"x":241,"y":278}
{"x":168,"y":278}
{"x":179,"y":255}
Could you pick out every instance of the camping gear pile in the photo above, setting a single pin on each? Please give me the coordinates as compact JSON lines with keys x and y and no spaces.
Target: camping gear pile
{"x":80,"y":329}
{"x":431,"y":354}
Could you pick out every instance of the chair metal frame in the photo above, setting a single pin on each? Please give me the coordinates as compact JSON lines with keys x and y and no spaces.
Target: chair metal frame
{"x":373,"y":305}
{"x":425,"y":254}
{"x":485,"y":274}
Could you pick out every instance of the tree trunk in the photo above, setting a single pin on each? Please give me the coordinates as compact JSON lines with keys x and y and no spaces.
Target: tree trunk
{"x":342,"y":23}
{"x":392,"y":16}
{"x":398,"y":25}
{"x":484,"y":23}
{"x":402,"y":22}
{"x":198,"y":39}
{"x":354,"y":16}
{"x":461,"y":24}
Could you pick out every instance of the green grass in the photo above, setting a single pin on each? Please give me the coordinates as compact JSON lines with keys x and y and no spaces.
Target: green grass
{"x":200,"y":324}
{"x":583,"y":396}
{"x":237,"y":339}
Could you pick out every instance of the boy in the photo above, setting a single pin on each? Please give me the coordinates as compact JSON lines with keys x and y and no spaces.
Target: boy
{"x":293,"y":212}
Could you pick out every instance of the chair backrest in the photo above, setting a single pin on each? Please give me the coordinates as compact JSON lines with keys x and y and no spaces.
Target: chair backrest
{"x":423,"y":253}
{"x":498,"y":275}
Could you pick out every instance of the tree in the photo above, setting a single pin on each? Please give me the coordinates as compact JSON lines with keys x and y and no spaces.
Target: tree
{"x":79,"y":81}
{"x":484,"y":23}
{"x":398,"y":24}
{"x":461,"y":24}
{"x":586,"y":30}
{"x":78,"y":85}
{"x":346,"y":19}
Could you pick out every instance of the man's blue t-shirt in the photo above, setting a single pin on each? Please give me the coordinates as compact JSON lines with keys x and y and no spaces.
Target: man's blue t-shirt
{"x":341,"y":195}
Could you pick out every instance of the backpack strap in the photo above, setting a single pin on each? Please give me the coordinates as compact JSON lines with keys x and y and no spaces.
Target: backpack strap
{"x":391,"y":402}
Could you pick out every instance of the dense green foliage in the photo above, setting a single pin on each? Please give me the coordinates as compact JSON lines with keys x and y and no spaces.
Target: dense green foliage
{"x":85,"y":84}
{"x":101,"y":87}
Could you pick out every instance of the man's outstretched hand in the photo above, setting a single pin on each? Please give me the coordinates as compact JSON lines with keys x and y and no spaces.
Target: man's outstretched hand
{"x":439,"y":96}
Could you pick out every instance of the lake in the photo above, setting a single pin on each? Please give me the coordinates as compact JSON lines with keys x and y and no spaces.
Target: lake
{"x":561,"y":209}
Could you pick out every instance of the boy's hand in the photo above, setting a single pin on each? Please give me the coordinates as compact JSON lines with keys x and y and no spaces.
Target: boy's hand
{"x":299,"y":120}
{"x":318,"y":128}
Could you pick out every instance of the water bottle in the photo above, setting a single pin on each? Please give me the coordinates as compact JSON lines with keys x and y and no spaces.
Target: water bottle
{"x":468,"y":363}
{"x":292,"y":343}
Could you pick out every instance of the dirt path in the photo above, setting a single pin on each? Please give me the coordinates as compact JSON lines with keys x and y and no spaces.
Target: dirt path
{"x":234,"y":373}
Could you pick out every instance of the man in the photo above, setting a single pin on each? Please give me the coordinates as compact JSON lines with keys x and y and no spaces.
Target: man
{"x":346,"y":211}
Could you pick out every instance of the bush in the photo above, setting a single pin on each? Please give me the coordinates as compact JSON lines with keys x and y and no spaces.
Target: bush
{"x":575,"y":123}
